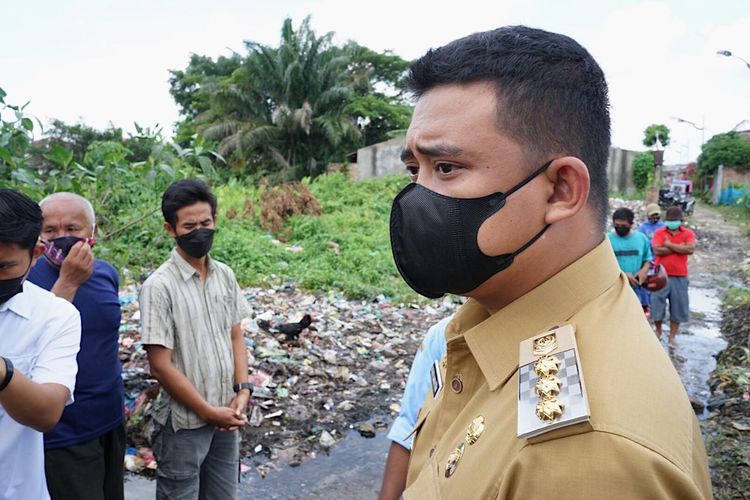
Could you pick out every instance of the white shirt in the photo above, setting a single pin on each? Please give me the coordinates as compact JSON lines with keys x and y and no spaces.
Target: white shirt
{"x":41,"y":334}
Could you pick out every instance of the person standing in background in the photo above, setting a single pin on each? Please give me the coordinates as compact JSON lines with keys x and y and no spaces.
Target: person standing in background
{"x":633,"y":253}
{"x":84,"y":452}
{"x":653,"y":221}
{"x":672,"y":245}
{"x":191,"y":308}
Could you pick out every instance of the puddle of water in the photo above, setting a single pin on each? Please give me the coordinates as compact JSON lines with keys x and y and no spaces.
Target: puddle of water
{"x":697,"y":343}
{"x":705,"y":301}
{"x":352,"y":470}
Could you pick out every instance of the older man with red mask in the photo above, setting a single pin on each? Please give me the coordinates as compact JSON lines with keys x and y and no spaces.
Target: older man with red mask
{"x":84,"y":452}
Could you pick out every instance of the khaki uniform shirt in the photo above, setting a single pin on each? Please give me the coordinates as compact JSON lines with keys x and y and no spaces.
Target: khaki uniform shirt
{"x":642,"y":441}
{"x":194,"y":319}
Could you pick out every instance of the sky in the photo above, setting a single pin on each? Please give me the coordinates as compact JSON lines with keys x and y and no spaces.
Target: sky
{"x":104,"y":62}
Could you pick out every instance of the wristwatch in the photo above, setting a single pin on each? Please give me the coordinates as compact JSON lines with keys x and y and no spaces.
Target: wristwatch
{"x":8,"y":373}
{"x":244,"y":385}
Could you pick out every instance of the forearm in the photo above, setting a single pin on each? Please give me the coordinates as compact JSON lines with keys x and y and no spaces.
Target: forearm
{"x":396,"y":468}
{"x":180,"y":388}
{"x":661,"y":251}
{"x":64,"y":290}
{"x":239,"y":352}
{"x":38,"y":406}
{"x":684,"y":248}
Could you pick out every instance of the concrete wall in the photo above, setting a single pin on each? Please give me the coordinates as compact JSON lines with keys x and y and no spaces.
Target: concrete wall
{"x":384,"y":159}
{"x":735,"y":176}
{"x":620,"y":170}
{"x":380,"y":160}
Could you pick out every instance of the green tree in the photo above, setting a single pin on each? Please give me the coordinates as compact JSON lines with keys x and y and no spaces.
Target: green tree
{"x":291,"y":109}
{"x":16,"y":136}
{"x":643,"y":170}
{"x":378,"y":106}
{"x":656,"y":135}
{"x":728,"y":149}
{"x":191,"y":88}
{"x":77,"y":138}
{"x":285,"y":106}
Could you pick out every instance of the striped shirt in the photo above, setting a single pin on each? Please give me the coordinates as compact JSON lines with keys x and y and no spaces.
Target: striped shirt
{"x":194,"y":319}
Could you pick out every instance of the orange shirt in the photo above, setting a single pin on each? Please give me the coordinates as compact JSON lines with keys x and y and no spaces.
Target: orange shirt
{"x":675,"y":263}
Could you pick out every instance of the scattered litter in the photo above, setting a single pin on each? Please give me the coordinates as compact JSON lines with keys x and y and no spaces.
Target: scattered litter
{"x":366,"y":429}
{"x":326,"y":440}
{"x":348,"y":366}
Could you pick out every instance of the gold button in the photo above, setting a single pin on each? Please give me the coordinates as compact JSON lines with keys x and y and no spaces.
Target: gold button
{"x":456,"y":384}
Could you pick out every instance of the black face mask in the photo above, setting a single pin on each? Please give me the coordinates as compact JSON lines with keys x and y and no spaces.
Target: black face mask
{"x":11,"y":287}
{"x":622,"y":231}
{"x":196,"y":243}
{"x":434,"y":239}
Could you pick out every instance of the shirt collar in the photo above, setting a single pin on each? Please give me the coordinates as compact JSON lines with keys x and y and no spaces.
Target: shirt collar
{"x":20,"y":303}
{"x":186,"y":270}
{"x":494,"y":340}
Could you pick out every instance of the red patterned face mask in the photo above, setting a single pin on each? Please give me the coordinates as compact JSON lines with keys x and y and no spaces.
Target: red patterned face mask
{"x":57,"y":249}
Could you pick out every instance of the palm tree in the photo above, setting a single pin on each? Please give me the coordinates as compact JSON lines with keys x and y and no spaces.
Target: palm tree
{"x":286,"y":105}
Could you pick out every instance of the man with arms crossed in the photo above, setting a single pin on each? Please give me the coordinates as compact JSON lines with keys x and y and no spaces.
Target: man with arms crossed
{"x":672,"y":245}
{"x":191,"y":308}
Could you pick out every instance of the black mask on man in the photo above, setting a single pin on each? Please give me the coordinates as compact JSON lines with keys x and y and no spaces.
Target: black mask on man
{"x":622,"y":231}
{"x":434,"y":239}
{"x":11,"y":287}
{"x":196,"y":243}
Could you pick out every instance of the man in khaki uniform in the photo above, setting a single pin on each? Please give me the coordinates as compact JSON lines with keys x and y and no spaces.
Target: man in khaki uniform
{"x":508,"y":149}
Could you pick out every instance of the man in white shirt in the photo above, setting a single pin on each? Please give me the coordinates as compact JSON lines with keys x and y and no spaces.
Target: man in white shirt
{"x":39,"y":339}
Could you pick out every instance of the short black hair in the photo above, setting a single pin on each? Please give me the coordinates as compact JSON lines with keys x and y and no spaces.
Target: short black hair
{"x":674,"y":213}
{"x":552,"y":94}
{"x":184,"y":193}
{"x":20,"y":219}
{"x":623,"y":214}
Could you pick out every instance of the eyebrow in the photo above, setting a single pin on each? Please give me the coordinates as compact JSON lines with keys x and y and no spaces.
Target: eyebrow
{"x":436,"y":150}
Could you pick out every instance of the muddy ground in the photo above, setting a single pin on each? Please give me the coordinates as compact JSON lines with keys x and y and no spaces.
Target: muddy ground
{"x":724,"y":258}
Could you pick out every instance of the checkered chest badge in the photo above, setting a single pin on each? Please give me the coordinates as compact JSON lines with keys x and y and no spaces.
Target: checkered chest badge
{"x":551,"y":392}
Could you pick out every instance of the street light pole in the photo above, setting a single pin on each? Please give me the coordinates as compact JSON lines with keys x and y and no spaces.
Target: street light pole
{"x":702,"y":127}
{"x":728,"y":53}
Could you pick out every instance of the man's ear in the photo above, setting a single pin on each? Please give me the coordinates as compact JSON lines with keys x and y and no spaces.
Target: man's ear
{"x":570,"y":182}
{"x":37,"y":252}
{"x":170,"y":230}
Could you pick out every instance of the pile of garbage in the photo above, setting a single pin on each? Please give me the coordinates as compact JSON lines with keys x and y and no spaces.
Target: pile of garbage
{"x":313,"y":384}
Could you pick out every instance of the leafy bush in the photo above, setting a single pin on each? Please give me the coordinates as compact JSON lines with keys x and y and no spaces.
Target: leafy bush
{"x":335,"y":230}
{"x":345,"y":248}
{"x":728,"y":149}
{"x":643,"y":170}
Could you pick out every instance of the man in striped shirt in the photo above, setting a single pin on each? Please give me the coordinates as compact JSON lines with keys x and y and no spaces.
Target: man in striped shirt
{"x":191,"y":308}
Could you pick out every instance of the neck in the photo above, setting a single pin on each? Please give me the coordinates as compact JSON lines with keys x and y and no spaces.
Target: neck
{"x":199,"y":263}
